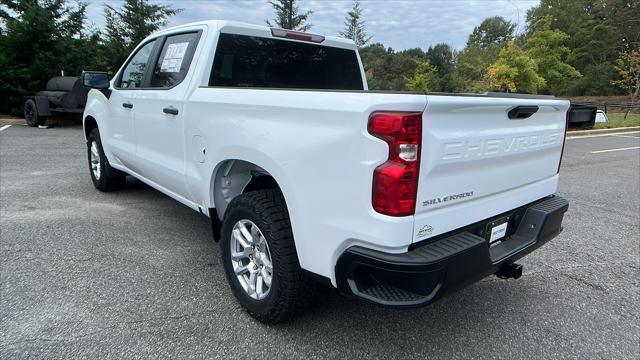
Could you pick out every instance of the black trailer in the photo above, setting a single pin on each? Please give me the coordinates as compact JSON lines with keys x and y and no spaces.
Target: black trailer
{"x":62,"y":95}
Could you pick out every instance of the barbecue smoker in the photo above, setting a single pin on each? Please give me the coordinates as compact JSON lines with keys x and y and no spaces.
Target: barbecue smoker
{"x":62,"y":95}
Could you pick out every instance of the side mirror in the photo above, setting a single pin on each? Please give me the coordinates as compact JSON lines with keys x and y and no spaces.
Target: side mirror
{"x":95,"y":79}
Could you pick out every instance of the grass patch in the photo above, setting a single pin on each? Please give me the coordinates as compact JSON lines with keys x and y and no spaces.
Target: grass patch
{"x":617,"y":120}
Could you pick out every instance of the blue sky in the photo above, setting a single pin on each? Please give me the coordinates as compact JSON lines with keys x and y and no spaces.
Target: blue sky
{"x":400,"y":24}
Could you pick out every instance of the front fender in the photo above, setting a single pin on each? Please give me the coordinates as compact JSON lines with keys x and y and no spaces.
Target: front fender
{"x":96,"y":108}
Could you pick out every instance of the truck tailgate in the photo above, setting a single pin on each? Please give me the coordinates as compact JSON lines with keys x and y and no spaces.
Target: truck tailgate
{"x":476,"y":162}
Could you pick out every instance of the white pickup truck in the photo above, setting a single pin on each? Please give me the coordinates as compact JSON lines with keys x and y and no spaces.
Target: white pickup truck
{"x":394,"y":198}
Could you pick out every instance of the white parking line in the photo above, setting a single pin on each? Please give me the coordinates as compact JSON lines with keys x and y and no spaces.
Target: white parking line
{"x":600,"y":135}
{"x":611,"y":150}
{"x":625,"y":136}
{"x":5,"y":127}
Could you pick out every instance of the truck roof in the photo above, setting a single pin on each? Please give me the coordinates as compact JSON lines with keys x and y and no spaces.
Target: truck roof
{"x":238,"y":27}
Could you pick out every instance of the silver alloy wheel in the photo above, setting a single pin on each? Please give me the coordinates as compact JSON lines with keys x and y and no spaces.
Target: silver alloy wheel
{"x":251,"y":259}
{"x":95,"y":160}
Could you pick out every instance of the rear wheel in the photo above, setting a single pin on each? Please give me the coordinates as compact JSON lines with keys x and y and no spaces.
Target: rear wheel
{"x":103,"y":176}
{"x":31,"y":114}
{"x":260,"y":259}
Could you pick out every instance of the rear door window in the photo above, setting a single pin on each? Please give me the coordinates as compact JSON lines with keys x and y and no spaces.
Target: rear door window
{"x":249,"y":61}
{"x":174,"y":60}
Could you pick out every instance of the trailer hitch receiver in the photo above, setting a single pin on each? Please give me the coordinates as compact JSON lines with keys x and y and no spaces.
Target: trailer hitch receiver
{"x":509,"y":270}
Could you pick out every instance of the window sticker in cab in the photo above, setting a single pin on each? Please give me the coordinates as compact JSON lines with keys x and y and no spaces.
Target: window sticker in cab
{"x":172,"y":60}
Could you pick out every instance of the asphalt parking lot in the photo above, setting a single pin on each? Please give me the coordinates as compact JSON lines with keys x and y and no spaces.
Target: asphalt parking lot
{"x":135,"y":274}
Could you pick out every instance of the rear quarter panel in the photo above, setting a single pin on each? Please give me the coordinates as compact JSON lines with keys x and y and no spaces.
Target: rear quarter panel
{"x":316,"y":146}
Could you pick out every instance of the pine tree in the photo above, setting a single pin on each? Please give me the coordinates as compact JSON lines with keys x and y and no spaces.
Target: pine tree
{"x":38,"y":40}
{"x":128,"y":26}
{"x":354,"y":26}
{"x":288,"y":15}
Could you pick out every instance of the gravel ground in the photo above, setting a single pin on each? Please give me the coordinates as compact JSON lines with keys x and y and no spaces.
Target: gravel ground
{"x":135,"y":274}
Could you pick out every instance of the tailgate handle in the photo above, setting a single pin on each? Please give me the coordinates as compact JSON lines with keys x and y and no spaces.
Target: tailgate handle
{"x":522,"y":111}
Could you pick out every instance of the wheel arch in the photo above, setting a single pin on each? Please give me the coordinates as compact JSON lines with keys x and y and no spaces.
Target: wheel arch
{"x":95,"y":111}
{"x":233,"y":177}
{"x":89,"y":123}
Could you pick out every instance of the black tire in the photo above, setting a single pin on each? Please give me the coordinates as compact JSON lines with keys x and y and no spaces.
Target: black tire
{"x":290,"y":291}
{"x":31,"y":114}
{"x":109,"y":179}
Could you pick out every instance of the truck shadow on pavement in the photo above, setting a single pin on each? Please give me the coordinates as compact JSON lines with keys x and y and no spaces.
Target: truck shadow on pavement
{"x":482,"y":311}
{"x":487,"y":307}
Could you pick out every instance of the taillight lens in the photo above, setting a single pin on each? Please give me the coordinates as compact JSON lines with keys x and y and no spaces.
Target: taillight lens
{"x":395,"y":183}
{"x":564,"y":140}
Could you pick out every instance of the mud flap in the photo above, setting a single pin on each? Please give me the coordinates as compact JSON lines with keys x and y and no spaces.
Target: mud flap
{"x":42,"y":104}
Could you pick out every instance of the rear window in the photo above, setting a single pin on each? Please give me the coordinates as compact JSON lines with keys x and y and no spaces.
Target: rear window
{"x":248,"y":61}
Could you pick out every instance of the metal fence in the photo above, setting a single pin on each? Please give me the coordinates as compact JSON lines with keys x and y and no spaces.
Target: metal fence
{"x":606,"y":106}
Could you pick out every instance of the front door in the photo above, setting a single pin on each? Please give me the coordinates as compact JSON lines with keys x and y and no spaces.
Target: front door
{"x":118,"y":130}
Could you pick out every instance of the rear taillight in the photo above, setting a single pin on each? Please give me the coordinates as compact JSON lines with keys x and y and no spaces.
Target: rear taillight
{"x":395,"y":183}
{"x":564,"y":139}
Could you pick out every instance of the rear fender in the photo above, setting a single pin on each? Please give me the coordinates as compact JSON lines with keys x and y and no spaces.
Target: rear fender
{"x":264,"y":165}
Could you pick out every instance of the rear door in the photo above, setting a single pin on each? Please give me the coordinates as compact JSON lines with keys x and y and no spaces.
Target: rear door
{"x":478,"y":161}
{"x":159,"y":115}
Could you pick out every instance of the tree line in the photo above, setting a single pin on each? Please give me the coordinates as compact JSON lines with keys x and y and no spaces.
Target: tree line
{"x":568,"y":48}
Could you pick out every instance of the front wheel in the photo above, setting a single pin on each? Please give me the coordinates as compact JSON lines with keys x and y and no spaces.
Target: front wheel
{"x":260,"y":259}
{"x":103,"y":176}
